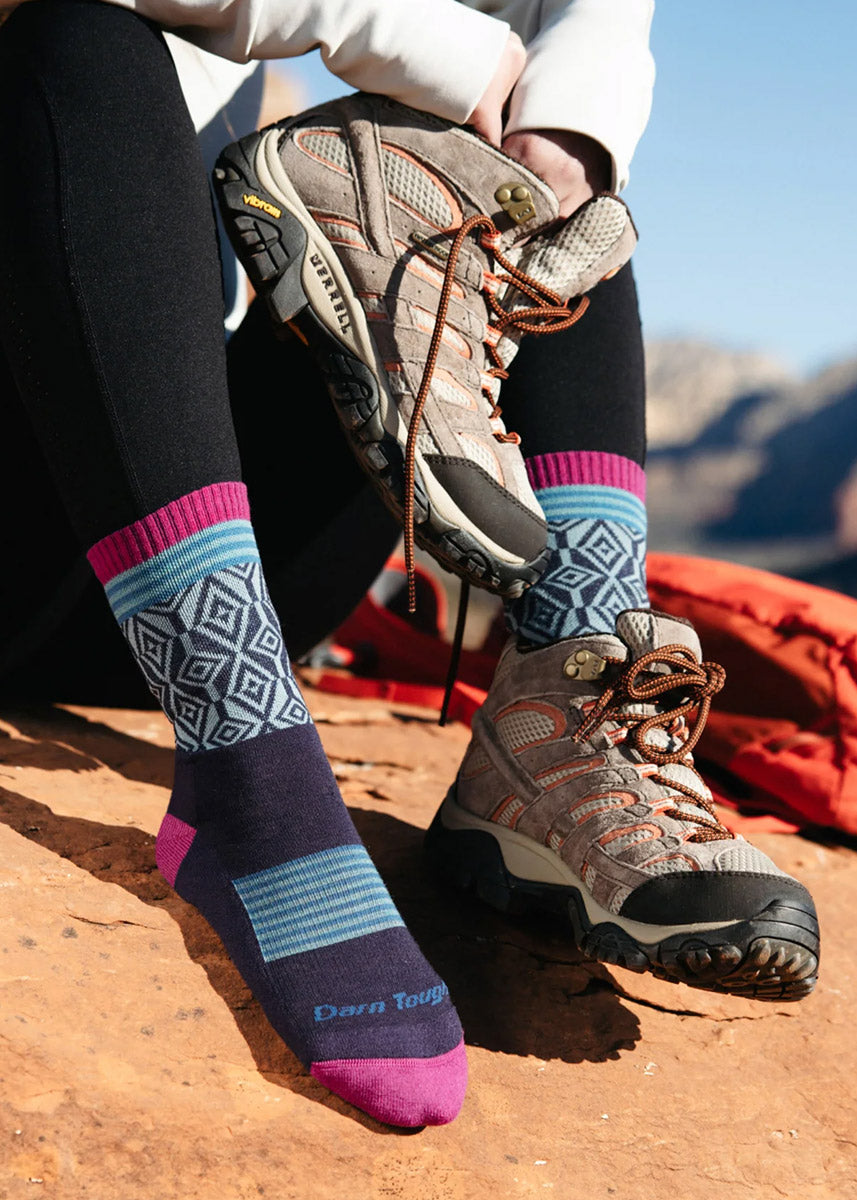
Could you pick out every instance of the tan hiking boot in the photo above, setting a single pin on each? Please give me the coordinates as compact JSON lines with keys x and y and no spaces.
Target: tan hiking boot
{"x":578,"y":795}
{"x":381,"y":235}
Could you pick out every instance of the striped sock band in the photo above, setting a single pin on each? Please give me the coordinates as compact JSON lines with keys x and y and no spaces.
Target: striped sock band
{"x":329,"y":897}
{"x":594,"y":504}
{"x":149,"y":561}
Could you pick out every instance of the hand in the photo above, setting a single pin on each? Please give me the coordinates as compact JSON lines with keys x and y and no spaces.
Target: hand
{"x":574,"y":165}
{"x":487,"y":116}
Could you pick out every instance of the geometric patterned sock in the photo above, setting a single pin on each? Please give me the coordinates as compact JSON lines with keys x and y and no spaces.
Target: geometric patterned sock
{"x":257,"y":836}
{"x":594,"y":504}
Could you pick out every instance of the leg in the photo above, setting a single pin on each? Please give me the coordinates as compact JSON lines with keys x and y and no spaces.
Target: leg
{"x":578,"y":401}
{"x":110,"y":316}
{"x":324,"y":537}
{"x":322,"y":541}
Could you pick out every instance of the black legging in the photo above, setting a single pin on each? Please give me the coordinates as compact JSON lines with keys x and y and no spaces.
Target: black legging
{"x":117,"y":395}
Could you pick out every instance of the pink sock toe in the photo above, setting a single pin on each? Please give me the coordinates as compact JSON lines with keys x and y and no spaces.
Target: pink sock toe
{"x":400,"y":1091}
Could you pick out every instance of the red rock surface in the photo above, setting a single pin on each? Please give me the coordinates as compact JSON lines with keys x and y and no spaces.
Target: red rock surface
{"x":135,"y":1064}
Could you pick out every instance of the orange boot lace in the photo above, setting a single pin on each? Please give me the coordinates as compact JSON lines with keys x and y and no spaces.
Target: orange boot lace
{"x":548,"y":314}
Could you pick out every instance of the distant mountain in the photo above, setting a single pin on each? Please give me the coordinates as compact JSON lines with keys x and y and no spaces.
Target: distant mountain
{"x":690,"y":384}
{"x":840,"y":574}
{"x":808,"y":438}
{"x":764,"y":475}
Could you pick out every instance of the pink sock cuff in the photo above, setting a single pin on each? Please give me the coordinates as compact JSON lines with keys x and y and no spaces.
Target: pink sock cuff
{"x":587,"y":466}
{"x":173,"y":523}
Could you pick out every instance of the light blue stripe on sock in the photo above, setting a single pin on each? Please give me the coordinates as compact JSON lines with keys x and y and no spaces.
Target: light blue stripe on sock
{"x":324,"y":898}
{"x":583,"y":500}
{"x":201,"y":554}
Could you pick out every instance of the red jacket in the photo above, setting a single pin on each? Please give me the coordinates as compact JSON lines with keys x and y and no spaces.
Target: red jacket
{"x":782,"y":736}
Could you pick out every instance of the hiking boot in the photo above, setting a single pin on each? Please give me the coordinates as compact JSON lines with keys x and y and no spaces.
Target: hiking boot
{"x":578,"y":795}
{"x":380,"y":235}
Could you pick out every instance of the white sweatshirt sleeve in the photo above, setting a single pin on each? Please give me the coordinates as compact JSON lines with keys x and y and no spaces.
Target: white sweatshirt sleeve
{"x":588,"y":63}
{"x":436,"y":55}
{"x":589,"y":69}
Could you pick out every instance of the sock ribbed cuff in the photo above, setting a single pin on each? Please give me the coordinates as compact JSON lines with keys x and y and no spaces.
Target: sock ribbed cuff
{"x":573,"y":467}
{"x":161,"y":555}
{"x":135,"y":544}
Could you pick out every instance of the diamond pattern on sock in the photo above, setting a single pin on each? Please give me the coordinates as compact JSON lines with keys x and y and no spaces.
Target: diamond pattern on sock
{"x":177,"y":567}
{"x":596,"y":570}
{"x":213,"y":656}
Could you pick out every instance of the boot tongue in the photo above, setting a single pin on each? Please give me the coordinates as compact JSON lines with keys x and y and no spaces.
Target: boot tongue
{"x":572,"y":259}
{"x":642,"y":630}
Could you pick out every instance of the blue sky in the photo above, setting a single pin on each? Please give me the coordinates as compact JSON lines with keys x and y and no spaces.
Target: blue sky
{"x":744,"y":184}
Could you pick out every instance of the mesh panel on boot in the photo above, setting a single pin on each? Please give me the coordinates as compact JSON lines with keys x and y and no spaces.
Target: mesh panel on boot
{"x":412,"y":186}
{"x":327,"y":144}
{"x":524,"y":727}
{"x":746,"y":858}
{"x":669,"y":866}
{"x":476,"y":451}
{"x":448,"y":390}
{"x":426,"y":443}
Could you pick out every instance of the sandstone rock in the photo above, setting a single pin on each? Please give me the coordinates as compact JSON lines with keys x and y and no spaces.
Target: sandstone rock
{"x":135,"y":1064}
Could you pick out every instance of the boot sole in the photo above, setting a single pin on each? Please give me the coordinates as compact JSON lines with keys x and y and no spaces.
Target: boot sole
{"x":295,"y":269}
{"x":770,"y":956}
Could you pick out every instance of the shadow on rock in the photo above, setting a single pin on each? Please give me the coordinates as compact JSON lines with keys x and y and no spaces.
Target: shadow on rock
{"x":520,"y":986}
{"x":519,"y":989}
{"x":126,"y":856}
{"x":64,"y":741}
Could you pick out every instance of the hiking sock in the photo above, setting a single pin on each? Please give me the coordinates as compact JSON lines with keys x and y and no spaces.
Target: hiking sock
{"x":594,"y":503}
{"x":256,"y":835}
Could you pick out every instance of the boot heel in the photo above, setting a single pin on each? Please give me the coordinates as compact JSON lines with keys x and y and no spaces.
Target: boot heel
{"x":471,"y":861}
{"x":269,"y":240}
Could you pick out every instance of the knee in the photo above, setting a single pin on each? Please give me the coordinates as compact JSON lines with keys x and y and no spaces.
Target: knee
{"x":76,"y":44}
